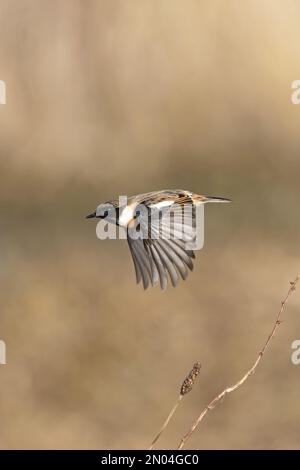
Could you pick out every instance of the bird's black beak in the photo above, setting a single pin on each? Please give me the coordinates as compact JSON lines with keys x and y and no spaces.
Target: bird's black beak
{"x":91,"y":216}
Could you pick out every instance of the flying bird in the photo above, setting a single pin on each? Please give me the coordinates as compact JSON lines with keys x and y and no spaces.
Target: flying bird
{"x":161,"y":231}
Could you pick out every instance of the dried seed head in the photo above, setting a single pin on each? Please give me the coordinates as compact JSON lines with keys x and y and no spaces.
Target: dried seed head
{"x":188,"y":383}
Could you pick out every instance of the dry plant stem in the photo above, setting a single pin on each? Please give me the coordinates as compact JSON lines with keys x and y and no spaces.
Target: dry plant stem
{"x":251,"y":371}
{"x":167,"y":421}
{"x":186,"y":387}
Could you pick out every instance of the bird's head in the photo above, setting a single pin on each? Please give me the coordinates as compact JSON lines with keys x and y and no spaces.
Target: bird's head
{"x":103,"y":211}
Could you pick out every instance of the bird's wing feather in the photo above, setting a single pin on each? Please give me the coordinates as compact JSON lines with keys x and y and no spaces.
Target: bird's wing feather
{"x":164,"y":252}
{"x":141,"y":261}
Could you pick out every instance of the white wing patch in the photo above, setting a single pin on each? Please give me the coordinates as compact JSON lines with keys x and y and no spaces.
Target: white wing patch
{"x":127,"y":215}
{"x":161,"y":204}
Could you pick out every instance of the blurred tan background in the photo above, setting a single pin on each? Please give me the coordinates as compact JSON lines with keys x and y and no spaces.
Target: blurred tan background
{"x":121,"y":97}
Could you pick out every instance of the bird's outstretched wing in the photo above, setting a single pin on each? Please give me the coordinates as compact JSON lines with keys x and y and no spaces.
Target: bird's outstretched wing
{"x":161,"y":251}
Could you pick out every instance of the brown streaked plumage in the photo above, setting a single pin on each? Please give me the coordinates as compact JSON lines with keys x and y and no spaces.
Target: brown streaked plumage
{"x":161,"y":252}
